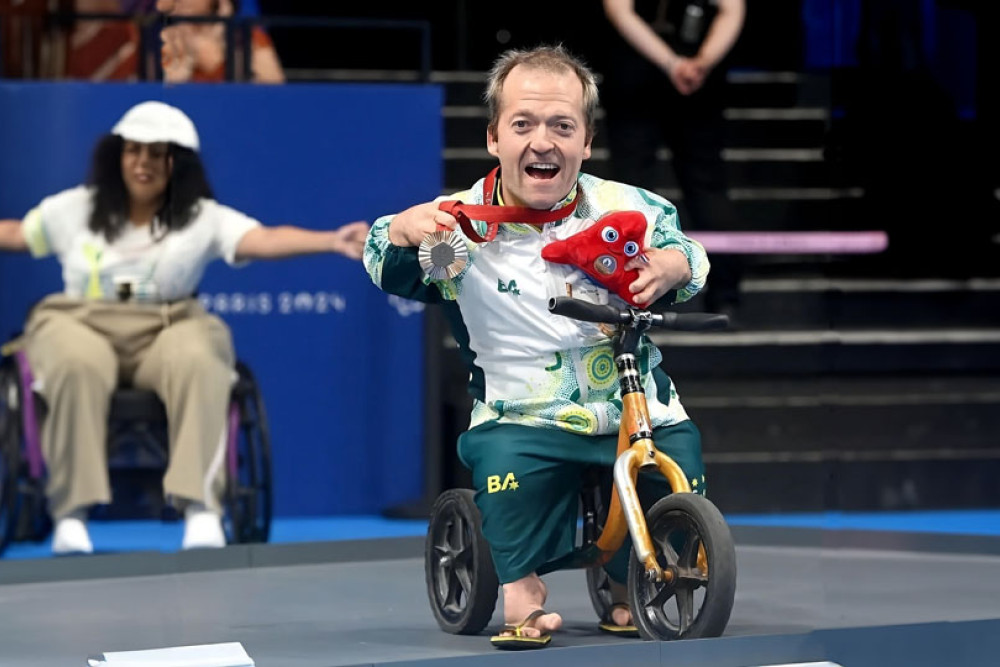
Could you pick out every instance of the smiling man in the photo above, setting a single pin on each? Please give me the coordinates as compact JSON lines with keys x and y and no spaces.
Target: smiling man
{"x":545,"y":404}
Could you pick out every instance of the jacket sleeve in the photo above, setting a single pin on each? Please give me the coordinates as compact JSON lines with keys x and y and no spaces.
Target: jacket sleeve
{"x":666,"y":233}
{"x":395,"y":270}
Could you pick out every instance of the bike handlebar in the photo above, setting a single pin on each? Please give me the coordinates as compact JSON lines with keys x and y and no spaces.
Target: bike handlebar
{"x":592,"y":312}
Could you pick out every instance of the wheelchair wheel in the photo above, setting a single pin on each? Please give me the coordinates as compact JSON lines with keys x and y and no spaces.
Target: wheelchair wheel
{"x":599,"y":588}
{"x":462,"y":582}
{"x":10,"y":454}
{"x":598,"y":581}
{"x":23,"y":508}
{"x":249,"y":499}
{"x":685,"y":528}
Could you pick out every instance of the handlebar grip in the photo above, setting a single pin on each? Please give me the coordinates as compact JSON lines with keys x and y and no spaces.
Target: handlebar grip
{"x":586,"y":312}
{"x":693,"y":321}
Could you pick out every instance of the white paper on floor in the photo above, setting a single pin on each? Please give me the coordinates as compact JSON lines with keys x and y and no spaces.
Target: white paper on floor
{"x":230,"y":654}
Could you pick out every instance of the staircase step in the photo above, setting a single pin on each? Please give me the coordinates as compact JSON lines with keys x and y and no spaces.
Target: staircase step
{"x":831,"y":351}
{"x":845,"y":418}
{"x":854,"y":486}
{"x":783,"y":304}
{"x":848,"y":443}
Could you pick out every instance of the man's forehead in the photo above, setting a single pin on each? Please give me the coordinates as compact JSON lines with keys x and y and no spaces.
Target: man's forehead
{"x":535,"y":84}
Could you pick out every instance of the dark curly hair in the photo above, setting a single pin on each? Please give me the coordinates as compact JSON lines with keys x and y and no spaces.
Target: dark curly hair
{"x":187,"y":184}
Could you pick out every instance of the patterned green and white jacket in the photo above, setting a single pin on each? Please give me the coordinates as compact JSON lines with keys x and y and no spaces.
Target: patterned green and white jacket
{"x":526,"y":365}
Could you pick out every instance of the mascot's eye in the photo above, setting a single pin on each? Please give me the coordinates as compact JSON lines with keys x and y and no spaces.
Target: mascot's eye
{"x":609,"y":234}
{"x":631,"y":249}
{"x":605,"y":264}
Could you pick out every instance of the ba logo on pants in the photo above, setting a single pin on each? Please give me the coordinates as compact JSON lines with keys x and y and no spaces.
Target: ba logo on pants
{"x":493,"y":483}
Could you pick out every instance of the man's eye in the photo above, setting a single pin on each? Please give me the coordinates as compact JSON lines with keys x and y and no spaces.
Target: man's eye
{"x":520,"y":124}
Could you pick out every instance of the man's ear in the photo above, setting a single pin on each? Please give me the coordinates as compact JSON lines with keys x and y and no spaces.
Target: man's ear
{"x":492,"y":145}
{"x":586,"y":148}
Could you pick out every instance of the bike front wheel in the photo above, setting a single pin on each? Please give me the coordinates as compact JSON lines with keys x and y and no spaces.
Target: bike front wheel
{"x":693,"y":544}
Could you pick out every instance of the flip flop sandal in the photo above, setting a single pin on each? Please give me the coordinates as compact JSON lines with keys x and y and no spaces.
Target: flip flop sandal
{"x":517,"y":640}
{"x":608,"y":624}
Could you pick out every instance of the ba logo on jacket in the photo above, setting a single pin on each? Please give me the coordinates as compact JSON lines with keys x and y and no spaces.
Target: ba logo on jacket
{"x":493,"y":483}
{"x":508,"y":288}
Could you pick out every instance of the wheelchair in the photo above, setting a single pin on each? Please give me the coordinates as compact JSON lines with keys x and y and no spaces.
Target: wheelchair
{"x":137,"y":456}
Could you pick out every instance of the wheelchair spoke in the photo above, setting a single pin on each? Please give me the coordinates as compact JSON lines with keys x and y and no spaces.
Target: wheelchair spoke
{"x":464,"y":579}
{"x":453,"y":554}
{"x":443,"y":588}
{"x":461,"y":537}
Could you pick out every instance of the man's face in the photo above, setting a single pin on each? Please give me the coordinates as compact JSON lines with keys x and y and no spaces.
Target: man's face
{"x":541,"y":137}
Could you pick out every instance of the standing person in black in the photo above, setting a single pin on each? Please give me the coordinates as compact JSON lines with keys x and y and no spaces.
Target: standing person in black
{"x":665,"y":83}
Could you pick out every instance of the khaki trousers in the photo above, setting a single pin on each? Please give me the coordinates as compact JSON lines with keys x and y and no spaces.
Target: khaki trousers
{"x":80,"y":351}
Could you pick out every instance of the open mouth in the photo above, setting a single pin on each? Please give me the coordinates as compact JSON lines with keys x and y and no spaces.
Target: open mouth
{"x":542,"y":170}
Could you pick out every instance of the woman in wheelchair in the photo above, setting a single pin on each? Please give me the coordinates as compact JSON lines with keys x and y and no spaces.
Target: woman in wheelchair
{"x":133,"y":244}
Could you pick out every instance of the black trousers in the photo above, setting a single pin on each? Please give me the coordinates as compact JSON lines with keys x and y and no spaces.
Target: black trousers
{"x":644,"y":112}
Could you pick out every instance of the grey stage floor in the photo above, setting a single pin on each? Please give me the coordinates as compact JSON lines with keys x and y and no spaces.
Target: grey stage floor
{"x":375,"y":611}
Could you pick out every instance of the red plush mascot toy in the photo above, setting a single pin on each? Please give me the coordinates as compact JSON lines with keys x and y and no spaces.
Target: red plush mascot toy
{"x":602,"y":250}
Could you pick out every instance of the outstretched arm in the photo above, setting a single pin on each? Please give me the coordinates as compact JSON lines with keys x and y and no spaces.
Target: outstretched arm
{"x":288,"y":241}
{"x":12,"y":236}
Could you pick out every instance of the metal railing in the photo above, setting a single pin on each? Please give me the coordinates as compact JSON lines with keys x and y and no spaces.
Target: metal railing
{"x":238,"y":31}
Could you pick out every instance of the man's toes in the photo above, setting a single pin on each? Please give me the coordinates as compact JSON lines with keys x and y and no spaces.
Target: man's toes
{"x":543,"y":625}
{"x":621,"y":616}
{"x":549,"y":622}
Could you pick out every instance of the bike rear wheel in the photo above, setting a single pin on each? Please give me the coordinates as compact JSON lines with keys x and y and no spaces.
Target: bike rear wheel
{"x":462,"y":583}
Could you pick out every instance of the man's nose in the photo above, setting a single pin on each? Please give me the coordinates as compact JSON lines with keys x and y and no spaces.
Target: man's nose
{"x":541,"y":142}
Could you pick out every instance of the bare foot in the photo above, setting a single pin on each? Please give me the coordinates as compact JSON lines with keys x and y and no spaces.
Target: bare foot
{"x":524,"y":596}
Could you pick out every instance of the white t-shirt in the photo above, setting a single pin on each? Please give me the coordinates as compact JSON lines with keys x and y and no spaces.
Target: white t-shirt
{"x":158,"y":269}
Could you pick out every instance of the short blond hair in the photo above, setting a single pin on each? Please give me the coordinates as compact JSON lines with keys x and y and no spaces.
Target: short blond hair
{"x":554,"y":59}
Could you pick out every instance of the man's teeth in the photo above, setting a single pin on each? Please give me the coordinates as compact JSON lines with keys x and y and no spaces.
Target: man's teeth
{"x":543,"y":166}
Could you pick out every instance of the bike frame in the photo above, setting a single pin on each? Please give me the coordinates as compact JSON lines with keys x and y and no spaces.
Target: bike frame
{"x":636,"y":452}
{"x":636,"y":449}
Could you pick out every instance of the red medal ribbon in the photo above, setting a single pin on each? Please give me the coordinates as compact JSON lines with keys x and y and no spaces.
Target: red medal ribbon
{"x":493,"y":215}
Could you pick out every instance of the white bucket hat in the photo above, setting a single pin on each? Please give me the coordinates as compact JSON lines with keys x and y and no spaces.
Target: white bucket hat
{"x":151,"y":122}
